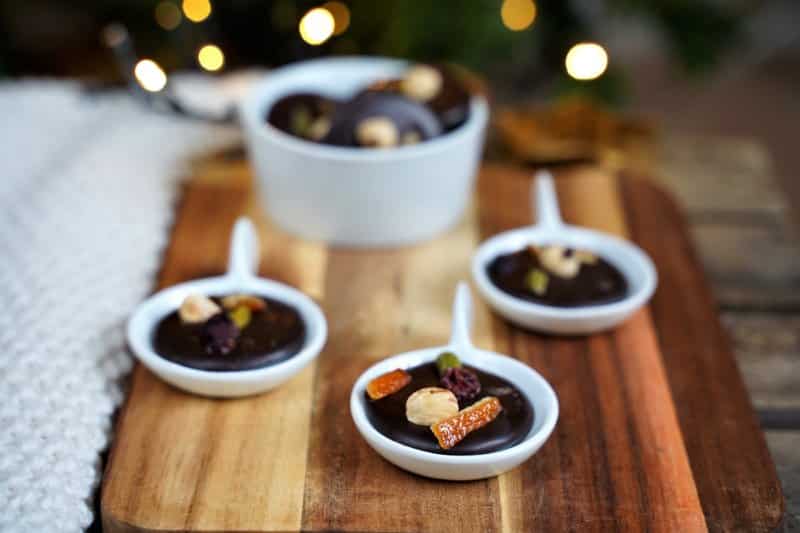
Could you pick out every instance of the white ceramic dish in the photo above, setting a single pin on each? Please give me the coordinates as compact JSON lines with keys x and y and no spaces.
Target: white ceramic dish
{"x":461,"y":467}
{"x":353,"y":196}
{"x":240,"y":278}
{"x":634,"y":264}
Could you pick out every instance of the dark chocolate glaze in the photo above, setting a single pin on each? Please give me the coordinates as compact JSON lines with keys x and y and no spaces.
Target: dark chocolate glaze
{"x":595,"y":284}
{"x":272,"y":336}
{"x":512,"y":425}
{"x":406,"y":114}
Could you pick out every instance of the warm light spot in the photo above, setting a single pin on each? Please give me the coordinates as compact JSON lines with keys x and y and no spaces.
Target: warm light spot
{"x":341,"y":16}
{"x":211,"y":57}
{"x":518,"y":14}
{"x":149,"y":75}
{"x":586,"y":61}
{"x":196,"y":10}
{"x":168,"y":16}
{"x":316,"y":26}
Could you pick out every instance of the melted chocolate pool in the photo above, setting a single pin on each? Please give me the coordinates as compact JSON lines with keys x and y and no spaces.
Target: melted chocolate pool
{"x":272,"y":336}
{"x":595,"y":284}
{"x":388,"y":415}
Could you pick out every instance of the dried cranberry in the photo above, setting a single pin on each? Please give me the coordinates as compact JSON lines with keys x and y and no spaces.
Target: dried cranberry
{"x":219,"y":335}
{"x":461,"y":382}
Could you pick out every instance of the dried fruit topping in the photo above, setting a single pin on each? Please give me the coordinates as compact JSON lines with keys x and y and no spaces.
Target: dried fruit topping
{"x":447,"y":360}
{"x":429,"y":405}
{"x":388,"y":383}
{"x":197,"y":308}
{"x":219,"y":335}
{"x":452,"y":430}
{"x":254,"y":303}
{"x":240,"y":316}
{"x":536,"y":281}
{"x":461,"y":382}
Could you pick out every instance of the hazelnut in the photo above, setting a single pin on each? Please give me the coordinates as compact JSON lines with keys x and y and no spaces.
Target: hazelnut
{"x":379,"y":132}
{"x":422,"y":83}
{"x":430,"y":405}
{"x":197,"y":309}
{"x":319,"y":128}
{"x":558,"y":262}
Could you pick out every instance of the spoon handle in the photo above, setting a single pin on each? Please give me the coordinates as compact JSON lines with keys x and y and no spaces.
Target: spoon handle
{"x":545,"y":201}
{"x":244,"y":254}
{"x":462,"y":318}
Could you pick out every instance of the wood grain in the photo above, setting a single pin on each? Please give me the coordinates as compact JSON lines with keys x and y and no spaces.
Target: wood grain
{"x":636,"y":448}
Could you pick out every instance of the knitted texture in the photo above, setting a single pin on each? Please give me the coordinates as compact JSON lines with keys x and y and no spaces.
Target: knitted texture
{"x":86,"y":198}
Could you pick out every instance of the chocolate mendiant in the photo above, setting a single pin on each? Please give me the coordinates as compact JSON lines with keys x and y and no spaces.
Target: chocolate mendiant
{"x":596,"y":283}
{"x":512,"y":425}
{"x":272,"y":336}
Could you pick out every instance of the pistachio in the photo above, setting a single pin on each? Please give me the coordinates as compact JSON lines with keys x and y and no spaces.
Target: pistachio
{"x":430,"y":405}
{"x":197,"y":309}
{"x":447,"y":360}
{"x":241,"y":316}
{"x":558,"y":262}
{"x":377,"y":132}
{"x":300,"y":120}
{"x":421,"y":83}
{"x":536,"y":281}
{"x":254,"y":303}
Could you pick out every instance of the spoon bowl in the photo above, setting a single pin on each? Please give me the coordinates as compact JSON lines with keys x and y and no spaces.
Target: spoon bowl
{"x":629,"y":259}
{"x":240,"y":278}
{"x":460,"y":467}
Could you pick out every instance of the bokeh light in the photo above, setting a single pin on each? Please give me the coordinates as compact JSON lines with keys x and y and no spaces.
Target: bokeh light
{"x":316,"y":26}
{"x":168,"y":16}
{"x":586,"y":61}
{"x":341,"y":16}
{"x":518,"y":15}
{"x":150,"y":76}
{"x":196,"y":10}
{"x":211,"y":57}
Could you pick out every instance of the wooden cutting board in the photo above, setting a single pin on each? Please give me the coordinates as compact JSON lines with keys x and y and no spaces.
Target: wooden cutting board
{"x":656,"y":430}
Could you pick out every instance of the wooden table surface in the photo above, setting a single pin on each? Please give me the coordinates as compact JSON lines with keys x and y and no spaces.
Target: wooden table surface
{"x":729,"y":474}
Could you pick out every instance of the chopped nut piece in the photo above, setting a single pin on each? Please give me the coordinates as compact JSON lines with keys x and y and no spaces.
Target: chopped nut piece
{"x":422,"y":83}
{"x":429,"y":405}
{"x":197,"y":308}
{"x":452,"y":430}
{"x":254,"y":303}
{"x":388,"y":383}
{"x":447,"y":360}
{"x":557,"y":262}
{"x":300,"y":120}
{"x":586,"y":257}
{"x":377,"y":132}
{"x":241,"y":316}
{"x":411,"y":137}
{"x":319,"y":128}
{"x":536,"y":281}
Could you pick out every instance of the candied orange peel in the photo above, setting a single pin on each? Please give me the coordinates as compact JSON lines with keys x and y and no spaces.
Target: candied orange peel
{"x":452,"y":430}
{"x":388,"y":383}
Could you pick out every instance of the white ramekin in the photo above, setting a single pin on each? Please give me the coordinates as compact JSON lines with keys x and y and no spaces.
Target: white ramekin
{"x":353,"y":196}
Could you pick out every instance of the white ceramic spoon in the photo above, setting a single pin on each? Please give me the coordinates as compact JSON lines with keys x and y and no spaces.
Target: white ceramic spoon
{"x":460,"y":467}
{"x":634,"y":264}
{"x":241,"y":277}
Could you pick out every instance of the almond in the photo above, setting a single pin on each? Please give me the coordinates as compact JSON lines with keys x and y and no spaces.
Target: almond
{"x":422,"y":83}
{"x":430,"y":405}
{"x":558,"y":262}
{"x":197,"y":308}
{"x":377,"y":132}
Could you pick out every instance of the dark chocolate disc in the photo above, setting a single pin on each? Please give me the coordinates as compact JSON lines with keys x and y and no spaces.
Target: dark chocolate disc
{"x":407,"y":116}
{"x":451,"y":105}
{"x":272,"y":336}
{"x":512,"y":425}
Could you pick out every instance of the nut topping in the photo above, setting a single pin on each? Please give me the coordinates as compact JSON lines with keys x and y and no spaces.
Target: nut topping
{"x":447,"y":360}
{"x":429,"y":405}
{"x":377,"y":132}
{"x":411,"y":137}
{"x":254,"y":303}
{"x":319,"y":128}
{"x":197,"y":309}
{"x":558,"y":262}
{"x":422,"y":83}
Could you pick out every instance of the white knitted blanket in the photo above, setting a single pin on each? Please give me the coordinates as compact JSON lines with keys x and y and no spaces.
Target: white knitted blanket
{"x":87,"y":189}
